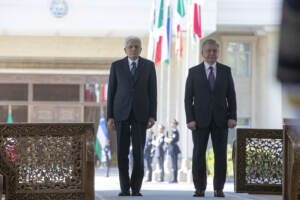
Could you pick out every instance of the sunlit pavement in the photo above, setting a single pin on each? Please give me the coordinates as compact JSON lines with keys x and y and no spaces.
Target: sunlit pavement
{"x":107,"y":188}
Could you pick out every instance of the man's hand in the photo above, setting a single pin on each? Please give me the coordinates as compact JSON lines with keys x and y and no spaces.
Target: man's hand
{"x":231,"y":123}
{"x":150,"y":123}
{"x":111,"y":124}
{"x":192,"y":125}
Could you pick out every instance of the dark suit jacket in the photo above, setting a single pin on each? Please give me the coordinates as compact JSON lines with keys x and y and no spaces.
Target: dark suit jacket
{"x":202,"y":104}
{"x":126,"y":93}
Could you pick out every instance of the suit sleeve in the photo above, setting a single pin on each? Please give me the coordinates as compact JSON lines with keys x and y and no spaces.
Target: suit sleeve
{"x":152,"y":87}
{"x":112,"y":85}
{"x":231,"y":98}
{"x":189,"y":98}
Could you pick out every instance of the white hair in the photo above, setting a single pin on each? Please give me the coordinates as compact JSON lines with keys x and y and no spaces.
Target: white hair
{"x":210,"y":41}
{"x":132,"y":38}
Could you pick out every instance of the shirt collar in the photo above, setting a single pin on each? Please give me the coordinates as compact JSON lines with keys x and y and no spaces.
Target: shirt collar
{"x":131,"y":61}
{"x":207,"y":66}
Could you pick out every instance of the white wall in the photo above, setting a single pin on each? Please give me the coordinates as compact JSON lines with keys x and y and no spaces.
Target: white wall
{"x":249,"y":12}
{"x":123,"y":17}
{"x":85,"y":17}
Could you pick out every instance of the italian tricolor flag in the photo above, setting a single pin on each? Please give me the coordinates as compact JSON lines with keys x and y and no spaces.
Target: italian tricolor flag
{"x":157,"y":57}
{"x":180,"y":13}
{"x":104,"y":92}
{"x":197,"y":20}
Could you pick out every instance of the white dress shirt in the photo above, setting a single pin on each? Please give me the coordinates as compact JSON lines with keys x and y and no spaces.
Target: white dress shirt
{"x":131,"y":61}
{"x":207,"y":70}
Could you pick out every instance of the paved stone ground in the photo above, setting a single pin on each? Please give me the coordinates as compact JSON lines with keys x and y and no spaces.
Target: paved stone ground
{"x":108,"y":189}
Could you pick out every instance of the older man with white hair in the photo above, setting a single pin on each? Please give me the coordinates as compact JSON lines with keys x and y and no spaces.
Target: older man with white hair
{"x":131,"y":109}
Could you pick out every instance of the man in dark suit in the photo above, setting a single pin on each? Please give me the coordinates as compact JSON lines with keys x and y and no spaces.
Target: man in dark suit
{"x":210,"y":106}
{"x":131,"y":109}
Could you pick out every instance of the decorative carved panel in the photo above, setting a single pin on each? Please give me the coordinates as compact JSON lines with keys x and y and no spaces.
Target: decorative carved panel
{"x":259,"y":161}
{"x":48,"y":161}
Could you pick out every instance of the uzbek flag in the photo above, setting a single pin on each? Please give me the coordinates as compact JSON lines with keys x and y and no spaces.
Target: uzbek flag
{"x":102,"y":136}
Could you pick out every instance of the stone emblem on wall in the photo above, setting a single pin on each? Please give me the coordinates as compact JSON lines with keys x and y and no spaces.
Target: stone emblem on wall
{"x":59,"y":8}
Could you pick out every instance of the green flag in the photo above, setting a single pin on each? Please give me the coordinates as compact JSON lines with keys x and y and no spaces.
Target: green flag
{"x":161,"y":14}
{"x":9,"y":118}
{"x":180,"y":8}
{"x":98,"y":150}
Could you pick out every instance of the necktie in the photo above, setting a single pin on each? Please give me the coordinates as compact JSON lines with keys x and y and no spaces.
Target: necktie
{"x":211,"y":77}
{"x":133,"y":68}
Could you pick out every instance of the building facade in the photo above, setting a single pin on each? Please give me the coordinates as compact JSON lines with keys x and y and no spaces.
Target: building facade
{"x":49,"y":64}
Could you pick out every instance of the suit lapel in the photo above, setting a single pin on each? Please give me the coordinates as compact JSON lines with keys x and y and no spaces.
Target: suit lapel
{"x":219,"y":75}
{"x":203,"y":74}
{"x":126,"y":69}
{"x":138,"y":70}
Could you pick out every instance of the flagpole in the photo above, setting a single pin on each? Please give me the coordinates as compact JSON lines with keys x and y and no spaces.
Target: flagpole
{"x":178,"y":88}
{"x":168,"y":94}
{"x":185,"y":162}
{"x":180,"y":14}
{"x":169,"y":64}
{"x":161,"y":91}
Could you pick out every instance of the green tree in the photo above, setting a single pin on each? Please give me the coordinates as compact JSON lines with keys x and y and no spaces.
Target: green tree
{"x":210,"y":161}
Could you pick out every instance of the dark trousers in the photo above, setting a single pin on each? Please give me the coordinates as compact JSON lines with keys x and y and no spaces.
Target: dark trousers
{"x":160,"y":161}
{"x":149,"y":168}
{"x":107,"y":165}
{"x":219,"y":141}
{"x":174,"y":159}
{"x":130,"y":130}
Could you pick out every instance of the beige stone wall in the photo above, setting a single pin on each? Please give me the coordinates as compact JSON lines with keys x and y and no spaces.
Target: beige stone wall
{"x":258,"y":96}
{"x":77,"y":47}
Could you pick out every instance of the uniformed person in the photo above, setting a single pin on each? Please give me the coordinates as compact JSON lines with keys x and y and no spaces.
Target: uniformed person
{"x":148,"y":154}
{"x":160,"y":151}
{"x":173,"y":150}
{"x":130,"y":158}
{"x":107,"y":157}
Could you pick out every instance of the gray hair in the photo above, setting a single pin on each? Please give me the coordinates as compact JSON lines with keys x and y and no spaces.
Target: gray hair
{"x":132,"y":38}
{"x":210,"y":41}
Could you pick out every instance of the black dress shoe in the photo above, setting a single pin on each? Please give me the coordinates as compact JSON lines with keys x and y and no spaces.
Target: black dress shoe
{"x":219,"y":193}
{"x":122,"y":194}
{"x":136,"y":194}
{"x":199,"y":193}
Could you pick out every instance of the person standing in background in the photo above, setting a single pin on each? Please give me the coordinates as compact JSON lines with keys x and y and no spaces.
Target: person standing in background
{"x":148,"y":154}
{"x":107,"y":157}
{"x":173,"y":150}
{"x":160,"y":151}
